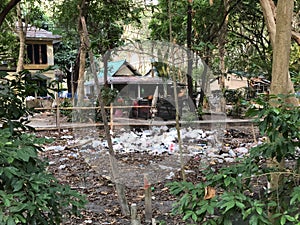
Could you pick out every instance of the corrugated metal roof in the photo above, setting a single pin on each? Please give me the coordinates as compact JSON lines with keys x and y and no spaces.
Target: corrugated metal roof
{"x":119,"y":68}
{"x":112,"y":68}
{"x":121,"y":72}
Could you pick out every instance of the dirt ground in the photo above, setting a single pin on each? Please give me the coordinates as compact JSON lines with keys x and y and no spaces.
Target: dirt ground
{"x":90,"y":176}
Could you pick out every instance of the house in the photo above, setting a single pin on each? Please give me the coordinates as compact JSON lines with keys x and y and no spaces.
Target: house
{"x":39,"y":55}
{"x":39,"y":49}
{"x":121,"y":75}
{"x":138,"y":90}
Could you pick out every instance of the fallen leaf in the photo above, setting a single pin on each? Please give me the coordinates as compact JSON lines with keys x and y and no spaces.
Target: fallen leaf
{"x":210,"y":192}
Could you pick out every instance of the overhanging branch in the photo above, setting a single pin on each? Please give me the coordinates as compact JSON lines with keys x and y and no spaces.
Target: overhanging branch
{"x":6,"y":10}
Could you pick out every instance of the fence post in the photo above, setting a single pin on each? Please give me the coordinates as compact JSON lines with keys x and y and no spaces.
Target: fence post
{"x":135,"y":220}
{"x":111,"y":110}
{"x":148,"y":202}
{"x":57,"y":114}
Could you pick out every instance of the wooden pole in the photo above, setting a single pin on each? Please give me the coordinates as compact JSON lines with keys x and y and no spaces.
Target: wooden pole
{"x":57,"y":112}
{"x":148,"y":203}
{"x":135,"y":220}
{"x":111,"y":110}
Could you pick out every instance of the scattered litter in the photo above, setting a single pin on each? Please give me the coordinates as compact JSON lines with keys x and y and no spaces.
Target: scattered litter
{"x":205,"y":144}
{"x":170,"y":176}
{"x":61,"y":167}
{"x":96,"y":143}
{"x":73,"y":155}
{"x":55,"y":148}
{"x":66,"y":137}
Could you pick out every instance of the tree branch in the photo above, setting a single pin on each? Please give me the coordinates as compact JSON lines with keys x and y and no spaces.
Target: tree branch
{"x":7,"y":8}
{"x":296,"y":37}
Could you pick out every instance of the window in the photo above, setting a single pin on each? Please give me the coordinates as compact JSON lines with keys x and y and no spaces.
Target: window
{"x":37,"y":53}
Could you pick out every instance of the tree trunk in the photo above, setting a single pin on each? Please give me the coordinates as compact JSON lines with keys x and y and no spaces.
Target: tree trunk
{"x":222,"y":51}
{"x":83,"y":47}
{"x":22,"y":34}
{"x":281,"y":82}
{"x":269,"y":16}
{"x":269,"y":11}
{"x":190,"y":58}
{"x":80,"y":88}
{"x":113,"y":161}
{"x":91,"y":55}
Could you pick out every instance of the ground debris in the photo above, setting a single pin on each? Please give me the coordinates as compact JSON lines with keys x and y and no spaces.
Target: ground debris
{"x":86,"y":170}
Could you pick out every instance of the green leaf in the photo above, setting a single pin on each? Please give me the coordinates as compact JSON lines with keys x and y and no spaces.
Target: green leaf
{"x":18,"y":185}
{"x":276,"y":111}
{"x":11,"y":171}
{"x":10,"y":221}
{"x":227,"y":181}
{"x":7,"y":202}
{"x":296,"y":196}
{"x":194,"y":217}
{"x":229,"y":205}
{"x":259,"y":210}
{"x":290,"y":218}
{"x":188,"y":214}
{"x":282,"y":220}
{"x":240,"y":205}
{"x":210,"y":209}
{"x":18,"y":208}
{"x":253,"y":220}
{"x":247,"y":213}
{"x":227,"y":222}
{"x":21,"y":218}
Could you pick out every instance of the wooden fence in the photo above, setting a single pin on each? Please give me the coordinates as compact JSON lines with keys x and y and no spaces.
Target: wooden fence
{"x":111,"y":109}
{"x":126,"y":121}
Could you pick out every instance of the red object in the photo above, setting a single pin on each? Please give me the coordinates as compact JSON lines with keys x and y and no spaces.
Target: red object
{"x":146,"y":183}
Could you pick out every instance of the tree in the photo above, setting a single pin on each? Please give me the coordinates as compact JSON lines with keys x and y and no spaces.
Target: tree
{"x":281,"y":83}
{"x":29,"y":193}
{"x":280,"y":36}
{"x":82,"y":51}
{"x":103,"y":21}
{"x":21,"y":31}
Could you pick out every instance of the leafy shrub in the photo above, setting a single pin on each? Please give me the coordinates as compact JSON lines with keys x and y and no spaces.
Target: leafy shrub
{"x":108,"y":96}
{"x":29,"y":194}
{"x":12,"y":99}
{"x":236,"y":98}
{"x":242,"y":193}
{"x":66,"y":112}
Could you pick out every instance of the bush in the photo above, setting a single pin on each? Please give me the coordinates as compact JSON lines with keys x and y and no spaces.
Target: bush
{"x":12,"y":100}
{"x":29,"y":194}
{"x":242,"y":193}
{"x":236,"y":98}
{"x":108,"y":96}
{"x":66,"y":102}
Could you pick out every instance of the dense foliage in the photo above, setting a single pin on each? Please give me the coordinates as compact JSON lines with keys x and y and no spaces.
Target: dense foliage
{"x":29,"y":194}
{"x":241,"y":192}
{"x":247,"y":44}
{"x":13,"y":92}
